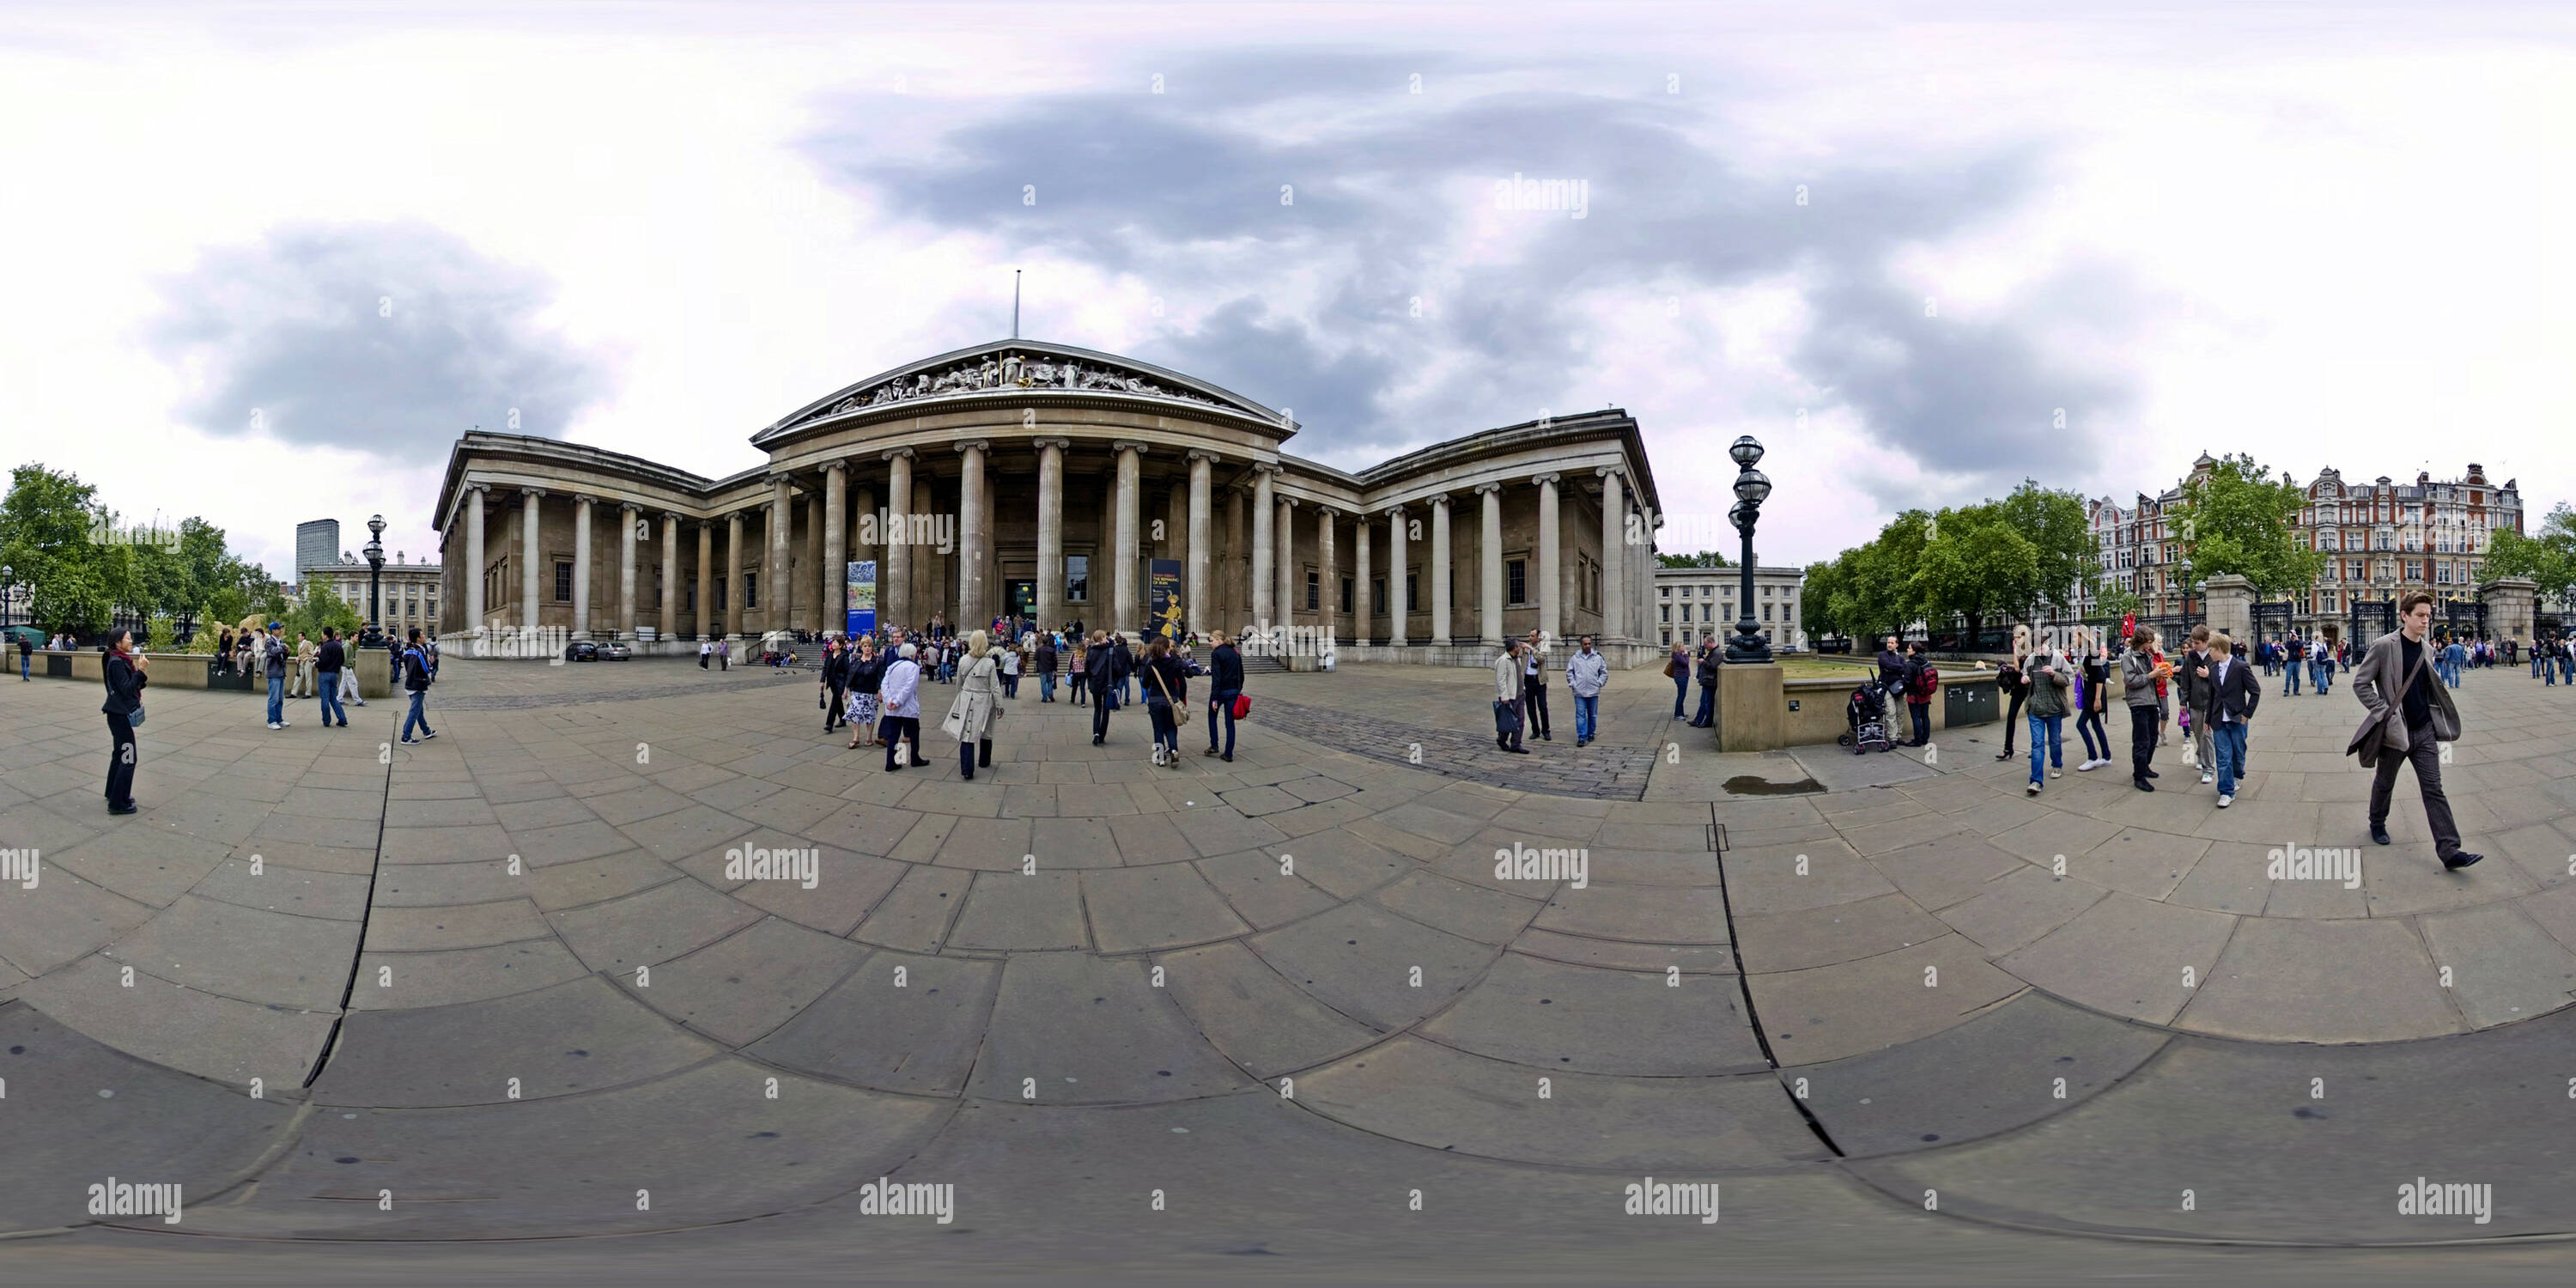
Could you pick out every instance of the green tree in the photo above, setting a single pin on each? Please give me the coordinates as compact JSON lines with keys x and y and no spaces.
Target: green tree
{"x":45,"y":527}
{"x":2061,"y":538}
{"x":2547,"y":557}
{"x":1974,"y":564}
{"x":1701,"y":559}
{"x":2116,"y":601}
{"x":322,"y":607}
{"x":2237,"y":519}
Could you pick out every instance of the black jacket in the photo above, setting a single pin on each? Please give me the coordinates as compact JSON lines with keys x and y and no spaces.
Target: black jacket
{"x":1708,"y":664}
{"x":124,"y":687}
{"x":416,"y":676}
{"x":1100,"y":663}
{"x":328,"y":659}
{"x":1175,"y":675}
{"x":1123,"y":662}
{"x":836,"y":670}
{"x":867,"y":674}
{"x":2237,"y":693}
{"x":1225,"y":671}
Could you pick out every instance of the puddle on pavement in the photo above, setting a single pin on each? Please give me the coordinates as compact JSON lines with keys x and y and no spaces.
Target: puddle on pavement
{"x":1754,"y":785}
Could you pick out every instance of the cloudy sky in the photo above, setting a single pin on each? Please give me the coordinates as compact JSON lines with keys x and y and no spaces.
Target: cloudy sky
{"x":265,"y":264}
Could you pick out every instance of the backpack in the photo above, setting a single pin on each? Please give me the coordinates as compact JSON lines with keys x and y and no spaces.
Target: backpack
{"x":1926,"y":682}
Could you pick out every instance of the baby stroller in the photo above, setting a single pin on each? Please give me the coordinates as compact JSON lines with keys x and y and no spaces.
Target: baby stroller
{"x":1867,"y":715}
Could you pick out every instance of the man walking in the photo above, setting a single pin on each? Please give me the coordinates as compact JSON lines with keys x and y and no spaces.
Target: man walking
{"x":418,"y":674}
{"x":303,"y":665}
{"x":1507,"y":699}
{"x":1100,"y":663}
{"x":2140,"y":671}
{"x":328,"y":661}
{"x":1920,"y":681}
{"x":1586,"y":673}
{"x":1534,"y":688}
{"x":273,"y":663}
{"x":2411,"y":715}
{"x":2293,"y":656}
{"x":2194,"y":674}
{"x":1225,"y":681}
{"x":2228,"y":692}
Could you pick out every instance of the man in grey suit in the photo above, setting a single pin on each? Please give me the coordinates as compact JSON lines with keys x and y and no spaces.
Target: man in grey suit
{"x":2411,"y":715}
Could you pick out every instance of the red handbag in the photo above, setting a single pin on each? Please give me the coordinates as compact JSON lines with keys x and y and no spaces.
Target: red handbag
{"x":1242,"y":705}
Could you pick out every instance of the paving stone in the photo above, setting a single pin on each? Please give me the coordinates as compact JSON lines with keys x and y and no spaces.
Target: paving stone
{"x":1248,"y":1012}
{"x":649,"y":927}
{"x":1010,"y":911}
{"x":1944,"y":871}
{"x":62,"y":920}
{"x":186,"y":1029}
{"x":746,"y":984}
{"x":1360,"y":961}
{"x":577,"y":1036}
{"x":2126,"y":956}
{"x":452,"y":976}
{"x":1551,"y":1016}
{"x":917,"y":914}
{"x":1650,"y":913}
{"x":2018,"y":908}
{"x":1259,"y":893}
{"x":1093,"y":1031}
{"x":244,"y":953}
{"x":921,"y":1036}
{"x":1165,"y":906}
{"x":1839,"y":933}
{"x":2503,"y":967}
{"x":1876,"y":1002}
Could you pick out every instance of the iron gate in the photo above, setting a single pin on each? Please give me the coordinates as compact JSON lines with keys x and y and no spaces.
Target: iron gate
{"x":2370,"y":620}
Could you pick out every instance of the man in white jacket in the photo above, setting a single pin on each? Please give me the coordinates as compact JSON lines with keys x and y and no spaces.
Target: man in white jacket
{"x":1586,"y":672}
{"x":1507,"y":699}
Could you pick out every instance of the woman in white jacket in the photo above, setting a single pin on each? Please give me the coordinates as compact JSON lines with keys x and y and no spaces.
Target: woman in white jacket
{"x":978,"y":705}
{"x":901,"y":694}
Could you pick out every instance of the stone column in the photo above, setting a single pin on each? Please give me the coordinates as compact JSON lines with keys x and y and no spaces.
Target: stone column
{"x":929,"y":567}
{"x":1551,"y":582}
{"x":972,"y":611}
{"x":894,"y":570}
{"x":534,"y":552}
{"x":1230,"y":582}
{"x":1615,"y":565}
{"x":1489,"y":558}
{"x":1265,"y":581}
{"x":737,"y":595}
{"x":809,"y":586}
{"x":705,"y":622}
{"x":1328,"y":578}
{"x":1286,"y":560}
{"x":1440,"y":571}
{"x":781,"y":521}
{"x":1128,"y":612}
{"x":669,"y":628}
{"x":836,"y":549}
{"x":474,"y":556}
{"x":1396,"y":607}
{"x":629,"y":516}
{"x":1201,"y":611}
{"x":1051,"y":531}
{"x":2513,"y":607}
{"x":581,"y":565}
{"x":1360,"y":614}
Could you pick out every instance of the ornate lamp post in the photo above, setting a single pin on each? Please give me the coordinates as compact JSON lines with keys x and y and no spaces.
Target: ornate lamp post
{"x":374,"y":636}
{"x":8,"y":591}
{"x":1749,"y":644}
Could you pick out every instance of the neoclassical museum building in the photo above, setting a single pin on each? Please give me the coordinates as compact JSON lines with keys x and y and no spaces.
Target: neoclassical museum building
{"x":1072,"y":486}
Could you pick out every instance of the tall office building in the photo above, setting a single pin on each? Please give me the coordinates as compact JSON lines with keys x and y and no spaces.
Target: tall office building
{"x":317,"y":545}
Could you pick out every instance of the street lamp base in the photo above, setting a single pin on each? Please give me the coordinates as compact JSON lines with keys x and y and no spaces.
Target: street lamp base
{"x":1749,"y":647}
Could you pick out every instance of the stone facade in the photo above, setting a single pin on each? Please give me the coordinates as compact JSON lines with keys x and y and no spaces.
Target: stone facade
{"x":1046,"y":479}
{"x":1695,"y":602}
{"x":413,"y":590}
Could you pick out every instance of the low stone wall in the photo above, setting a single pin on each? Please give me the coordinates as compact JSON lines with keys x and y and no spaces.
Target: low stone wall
{"x":375,"y":669}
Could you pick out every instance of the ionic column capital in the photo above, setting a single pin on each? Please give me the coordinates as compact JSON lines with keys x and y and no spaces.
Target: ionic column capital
{"x":1197,"y":454}
{"x":1440,"y":499}
{"x":1545,"y":480}
{"x":1131,"y":445}
{"x":532,"y":491}
{"x":584,"y":498}
{"x":629,"y":507}
{"x":1059,"y":443}
{"x":480,"y":489}
{"x":1268,"y":467}
{"x":893,"y":452}
{"x":1325,"y":511}
{"x":836,"y":467}
{"x":1395,"y":511}
{"x":975,"y":445}
{"x":1489,"y":489}
{"x":1611,"y":471}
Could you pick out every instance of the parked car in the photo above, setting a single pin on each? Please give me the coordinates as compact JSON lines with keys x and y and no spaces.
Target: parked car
{"x":581,"y":651}
{"x":612,"y":651}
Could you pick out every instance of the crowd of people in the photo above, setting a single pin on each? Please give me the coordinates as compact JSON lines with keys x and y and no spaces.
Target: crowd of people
{"x":1520,"y":692}
{"x":871,"y":684}
{"x":2210,"y":692}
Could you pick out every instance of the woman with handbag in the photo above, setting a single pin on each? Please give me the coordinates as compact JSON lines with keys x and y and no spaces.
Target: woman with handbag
{"x":978,"y":705}
{"x":126,"y":673}
{"x":1225,"y":684}
{"x":866,"y":673}
{"x":1166,"y":687}
{"x":1678,"y":670}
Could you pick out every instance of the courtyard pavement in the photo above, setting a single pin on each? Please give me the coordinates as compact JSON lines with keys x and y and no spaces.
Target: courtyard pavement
{"x":1284,"y":994}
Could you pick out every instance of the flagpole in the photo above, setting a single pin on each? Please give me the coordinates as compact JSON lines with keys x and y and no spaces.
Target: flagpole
{"x":1015,"y":304}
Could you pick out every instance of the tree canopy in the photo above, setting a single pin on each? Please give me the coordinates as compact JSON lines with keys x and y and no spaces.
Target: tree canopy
{"x":2237,"y":519}
{"x":82,"y":569}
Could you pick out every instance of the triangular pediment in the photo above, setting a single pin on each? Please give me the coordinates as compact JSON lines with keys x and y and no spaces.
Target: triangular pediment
{"x":1018,"y":369}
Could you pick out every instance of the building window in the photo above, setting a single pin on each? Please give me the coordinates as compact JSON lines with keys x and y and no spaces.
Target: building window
{"x":1377,"y":595}
{"x":1412,"y":594}
{"x":563,"y":581}
{"x":1686,"y":592}
{"x":751,"y":590}
{"x":1668,"y":636}
{"x":1766,"y":592}
{"x":1515,"y":581}
{"x":722,"y":593}
{"x":1077,"y":579}
{"x":1314,"y":590}
{"x":1346,"y":596}
{"x":1703,"y":612}
{"x":1667,"y":591}
{"x":1668,"y":616}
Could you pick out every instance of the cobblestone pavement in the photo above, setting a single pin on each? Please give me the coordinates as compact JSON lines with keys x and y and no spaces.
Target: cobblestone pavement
{"x":580,"y":959}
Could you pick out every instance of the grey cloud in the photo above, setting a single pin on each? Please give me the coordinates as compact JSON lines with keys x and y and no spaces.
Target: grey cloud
{"x":1158,"y":186}
{"x":385,"y":338}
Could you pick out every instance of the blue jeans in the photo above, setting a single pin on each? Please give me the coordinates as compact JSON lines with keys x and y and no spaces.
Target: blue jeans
{"x":329,"y":683}
{"x":1222,"y":703}
{"x":276,"y":699}
{"x":2325,"y":676}
{"x":2054,"y":729}
{"x":1046,"y":687}
{"x":1587,"y":716}
{"x":1707,"y":713}
{"x":2291,"y":686}
{"x":2316,"y":675}
{"x":1167,"y":730}
{"x":2549,"y":674}
{"x":416,"y":717}
{"x":1681,"y":691}
{"x":2227,"y":746}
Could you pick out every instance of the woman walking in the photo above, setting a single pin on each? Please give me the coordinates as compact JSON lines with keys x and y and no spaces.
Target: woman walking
{"x":901,"y":690}
{"x":1046,"y":667}
{"x":1166,"y":687}
{"x":2142,"y":671}
{"x":1011,"y":671}
{"x":1225,"y":681}
{"x":867,"y":671}
{"x":2091,"y":702}
{"x":126,"y":673}
{"x":978,"y":705}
